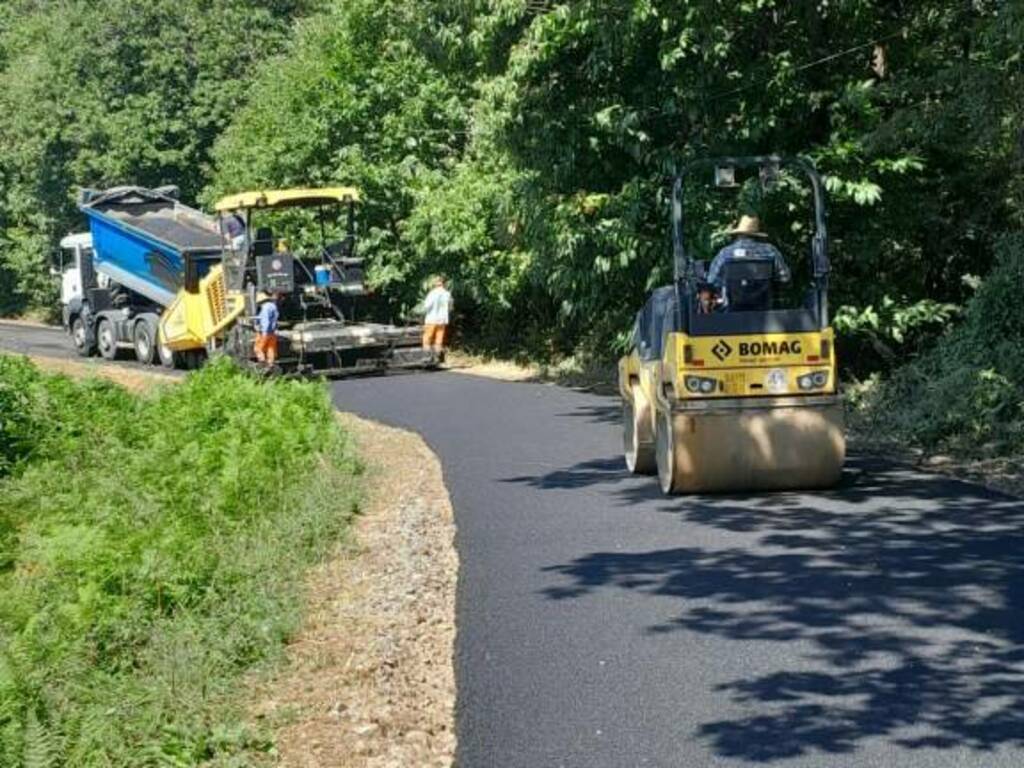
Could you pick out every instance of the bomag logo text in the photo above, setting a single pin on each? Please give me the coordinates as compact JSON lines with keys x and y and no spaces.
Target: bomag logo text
{"x":770,"y":348}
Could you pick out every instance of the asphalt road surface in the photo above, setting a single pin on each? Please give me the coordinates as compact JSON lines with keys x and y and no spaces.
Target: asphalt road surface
{"x":35,"y":340}
{"x":602,"y":625}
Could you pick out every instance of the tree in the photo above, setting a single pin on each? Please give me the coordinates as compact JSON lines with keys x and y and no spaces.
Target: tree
{"x":104,"y":93}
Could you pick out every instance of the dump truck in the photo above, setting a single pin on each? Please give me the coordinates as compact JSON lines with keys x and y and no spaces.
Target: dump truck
{"x":143,"y":247}
{"x":738,"y":397}
{"x":174,"y":284}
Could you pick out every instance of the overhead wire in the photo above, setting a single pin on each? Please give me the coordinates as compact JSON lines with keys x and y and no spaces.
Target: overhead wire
{"x":661,"y":113}
{"x":811,"y":64}
{"x":657,"y":114}
{"x":544,"y":6}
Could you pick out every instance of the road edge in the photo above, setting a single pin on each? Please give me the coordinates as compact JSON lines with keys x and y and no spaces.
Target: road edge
{"x":371,"y":679}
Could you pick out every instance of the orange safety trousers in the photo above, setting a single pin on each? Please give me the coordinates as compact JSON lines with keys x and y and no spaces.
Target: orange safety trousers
{"x":434,"y":335}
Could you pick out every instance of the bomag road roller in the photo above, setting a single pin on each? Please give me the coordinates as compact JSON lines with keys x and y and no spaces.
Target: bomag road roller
{"x":739,"y":394}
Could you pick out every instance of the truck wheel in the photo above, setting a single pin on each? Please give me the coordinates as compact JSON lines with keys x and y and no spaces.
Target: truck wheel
{"x":106,"y":339}
{"x":80,"y":337}
{"x":145,"y":341}
{"x":168,"y":357}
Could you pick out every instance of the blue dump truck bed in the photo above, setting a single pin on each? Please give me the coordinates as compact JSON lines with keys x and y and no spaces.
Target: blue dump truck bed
{"x":148,"y":241}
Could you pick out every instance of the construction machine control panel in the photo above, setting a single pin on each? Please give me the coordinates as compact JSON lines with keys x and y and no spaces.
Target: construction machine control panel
{"x":275,"y":273}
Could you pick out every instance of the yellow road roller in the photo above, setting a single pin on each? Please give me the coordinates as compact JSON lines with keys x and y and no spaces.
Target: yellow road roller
{"x":727,"y":385}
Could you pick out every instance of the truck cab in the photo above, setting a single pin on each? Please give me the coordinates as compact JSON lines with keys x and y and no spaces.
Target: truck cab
{"x":76,"y":274}
{"x":75,"y":250}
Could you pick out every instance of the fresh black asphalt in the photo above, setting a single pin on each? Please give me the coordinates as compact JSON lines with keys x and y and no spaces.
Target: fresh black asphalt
{"x":601,"y":625}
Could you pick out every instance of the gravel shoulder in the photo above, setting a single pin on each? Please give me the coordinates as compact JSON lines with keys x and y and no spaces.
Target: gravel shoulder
{"x":135,"y":379}
{"x":1005,"y":474}
{"x":370,"y":680}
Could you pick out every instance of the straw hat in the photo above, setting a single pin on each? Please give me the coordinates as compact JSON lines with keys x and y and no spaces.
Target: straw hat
{"x":749,"y":226}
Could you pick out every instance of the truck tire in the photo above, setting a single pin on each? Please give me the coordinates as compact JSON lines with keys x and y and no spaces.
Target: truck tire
{"x":106,"y":339}
{"x":80,"y":337}
{"x":144,"y":340}
{"x":168,"y":357}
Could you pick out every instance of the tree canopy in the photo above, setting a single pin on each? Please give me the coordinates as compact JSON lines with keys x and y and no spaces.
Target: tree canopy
{"x":524,"y":147}
{"x":114,"y":92}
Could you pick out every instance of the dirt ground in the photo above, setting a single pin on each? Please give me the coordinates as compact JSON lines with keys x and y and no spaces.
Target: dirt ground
{"x":503,"y":370}
{"x":131,"y":378}
{"x":592,"y":378}
{"x":368,"y":682}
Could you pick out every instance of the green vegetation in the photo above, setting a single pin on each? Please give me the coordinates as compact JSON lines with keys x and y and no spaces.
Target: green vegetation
{"x":966,"y":394}
{"x":152,"y":551}
{"x":522,"y":146}
{"x":105,"y":92}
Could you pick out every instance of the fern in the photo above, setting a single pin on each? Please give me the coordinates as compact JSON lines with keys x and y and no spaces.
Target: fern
{"x":41,"y":749}
{"x":141,"y":572}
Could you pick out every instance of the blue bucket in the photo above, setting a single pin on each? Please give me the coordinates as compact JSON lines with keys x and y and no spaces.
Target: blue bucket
{"x":322,"y":274}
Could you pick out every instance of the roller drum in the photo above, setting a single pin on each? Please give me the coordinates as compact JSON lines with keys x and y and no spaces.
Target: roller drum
{"x":774,"y":447}
{"x":637,"y":433}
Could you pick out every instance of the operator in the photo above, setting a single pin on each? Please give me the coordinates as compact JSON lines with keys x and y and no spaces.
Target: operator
{"x":707,"y":299}
{"x":749,"y":243}
{"x":234,"y":226}
{"x":266,"y":330}
{"x":437,"y":308}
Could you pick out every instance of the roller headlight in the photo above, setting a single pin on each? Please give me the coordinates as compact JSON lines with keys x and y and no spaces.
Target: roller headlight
{"x":700,"y":384}
{"x":816,"y":380}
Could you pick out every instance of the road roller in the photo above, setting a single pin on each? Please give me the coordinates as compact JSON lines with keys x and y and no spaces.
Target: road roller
{"x":730,"y":383}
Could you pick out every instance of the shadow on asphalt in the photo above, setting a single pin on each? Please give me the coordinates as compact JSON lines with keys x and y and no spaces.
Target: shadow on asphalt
{"x":596,"y":414}
{"x":908,"y":588}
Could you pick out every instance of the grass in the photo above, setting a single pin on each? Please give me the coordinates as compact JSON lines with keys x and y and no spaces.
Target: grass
{"x":152,"y":554}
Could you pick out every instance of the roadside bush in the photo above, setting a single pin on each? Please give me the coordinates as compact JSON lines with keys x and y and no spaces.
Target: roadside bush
{"x":151,"y":553}
{"x":967,"y":393}
{"x":16,"y":425}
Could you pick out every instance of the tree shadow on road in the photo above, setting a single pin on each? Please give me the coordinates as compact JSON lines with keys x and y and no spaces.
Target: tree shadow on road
{"x":609,"y":474}
{"x":596,"y":414}
{"x":904,"y":593}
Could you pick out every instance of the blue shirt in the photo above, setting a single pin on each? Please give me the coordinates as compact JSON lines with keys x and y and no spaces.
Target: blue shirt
{"x":746,"y":249}
{"x":266,"y":320}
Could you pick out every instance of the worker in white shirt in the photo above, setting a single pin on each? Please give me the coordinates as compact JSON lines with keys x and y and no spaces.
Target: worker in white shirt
{"x":437,"y":308}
